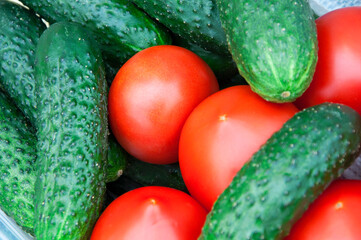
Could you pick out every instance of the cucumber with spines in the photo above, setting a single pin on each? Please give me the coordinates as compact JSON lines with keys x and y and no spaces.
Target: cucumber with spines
{"x":276,"y":186}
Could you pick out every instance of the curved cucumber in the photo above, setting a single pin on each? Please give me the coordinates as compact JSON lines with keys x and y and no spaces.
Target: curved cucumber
{"x":116,"y":161}
{"x":119,"y":27}
{"x":17,"y":158}
{"x":72,"y":132}
{"x":286,"y":175}
{"x":273,"y":43}
{"x":20,"y":30}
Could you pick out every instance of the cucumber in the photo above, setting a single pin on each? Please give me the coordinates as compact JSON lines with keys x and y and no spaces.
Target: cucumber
{"x":271,"y":192}
{"x":72,"y":132}
{"x":20,"y":30}
{"x":17,"y":157}
{"x":119,"y":27}
{"x":197,"y":21}
{"x":274,"y":44}
{"x":116,"y":161}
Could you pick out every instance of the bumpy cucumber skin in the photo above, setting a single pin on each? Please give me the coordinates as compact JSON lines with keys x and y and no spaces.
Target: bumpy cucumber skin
{"x":72,"y":133}
{"x":274,"y":44}
{"x":20,"y":30}
{"x":276,"y":186}
{"x":198,"y":21}
{"x":17,"y":158}
{"x":119,"y":27}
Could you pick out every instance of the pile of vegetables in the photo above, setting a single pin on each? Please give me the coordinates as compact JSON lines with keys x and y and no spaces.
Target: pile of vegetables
{"x":168,"y":119}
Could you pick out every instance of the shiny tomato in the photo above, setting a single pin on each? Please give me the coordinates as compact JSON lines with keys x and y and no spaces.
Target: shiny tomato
{"x":151,"y":97}
{"x":221,"y":134}
{"x":151,"y":213}
{"x":334,"y":215}
{"x":338,"y":71}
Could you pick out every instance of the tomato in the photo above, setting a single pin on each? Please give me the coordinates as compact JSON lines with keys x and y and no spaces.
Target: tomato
{"x":221,"y":134}
{"x":151,"y":97}
{"x":151,"y":213}
{"x":337,"y":76}
{"x":334,"y":215}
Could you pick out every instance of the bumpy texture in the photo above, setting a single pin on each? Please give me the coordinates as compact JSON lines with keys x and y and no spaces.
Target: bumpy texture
{"x":72,"y":133}
{"x":17,"y":158}
{"x":274,"y":44}
{"x":197,"y":20}
{"x":271,"y":191}
{"x":119,"y":27}
{"x":20,"y":30}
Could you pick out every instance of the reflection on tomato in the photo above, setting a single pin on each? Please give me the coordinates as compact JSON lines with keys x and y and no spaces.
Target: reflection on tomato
{"x":334,"y":215}
{"x":151,"y":97}
{"x":221,"y":134}
{"x":151,"y":213}
{"x":338,"y":71}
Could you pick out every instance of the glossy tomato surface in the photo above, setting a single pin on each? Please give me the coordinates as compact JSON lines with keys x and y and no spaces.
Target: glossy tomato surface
{"x":152,"y":95}
{"x":334,"y":215}
{"x":221,"y":134}
{"x":338,"y":71}
{"x":151,"y":213}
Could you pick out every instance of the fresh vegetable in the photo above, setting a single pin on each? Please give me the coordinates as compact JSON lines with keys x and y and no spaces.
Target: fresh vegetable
{"x":119,"y":26}
{"x":152,"y":95}
{"x":220,"y":136}
{"x":273,"y":43}
{"x":17,"y":158}
{"x":334,"y":215}
{"x":151,"y":213}
{"x":116,"y":160}
{"x":197,"y":21}
{"x":270,"y":193}
{"x":338,"y":72}
{"x":72,"y":133}
{"x":20,"y":30}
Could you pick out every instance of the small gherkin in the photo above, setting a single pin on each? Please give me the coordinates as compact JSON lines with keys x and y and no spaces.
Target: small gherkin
{"x":272,"y":191}
{"x":274,"y":44}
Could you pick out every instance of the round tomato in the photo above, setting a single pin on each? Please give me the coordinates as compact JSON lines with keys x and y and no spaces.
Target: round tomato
{"x":151,"y":97}
{"x":221,"y":134}
{"x":337,"y":76}
{"x":151,"y":213}
{"x":334,"y":215}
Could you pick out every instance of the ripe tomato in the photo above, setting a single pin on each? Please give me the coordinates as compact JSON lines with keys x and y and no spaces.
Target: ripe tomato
{"x":338,"y":71}
{"x":221,"y":134}
{"x":334,"y":215}
{"x":151,"y":97}
{"x":151,"y":213}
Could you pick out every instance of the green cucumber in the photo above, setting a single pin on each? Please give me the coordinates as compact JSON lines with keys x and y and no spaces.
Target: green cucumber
{"x":197,"y":21}
{"x":271,"y":192}
{"x":274,"y":44}
{"x":119,"y":27}
{"x":20,"y":30}
{"x":17,"y":157}
{"x":116,"y":161}
{"x":72,"y":133}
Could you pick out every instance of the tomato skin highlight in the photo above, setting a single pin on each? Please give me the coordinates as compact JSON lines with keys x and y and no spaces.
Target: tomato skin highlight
{"x":151,"y":97}
{"x":334,"y":215}
{"x":337,"y":77}
{"x":221,"y":134}
{"x":151,"y":213}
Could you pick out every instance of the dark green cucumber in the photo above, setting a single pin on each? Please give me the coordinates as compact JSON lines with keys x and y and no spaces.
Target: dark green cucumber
{"x":72,"y":132}
{"x":197,"y":21}
{"x":17,"y":158}
{"x":223,"y":66}
{"x":273,"y":43}
{"x":271,"y":192}
{"x":119,"y":27}
{"x":117,"y":160}
{"x":20,"y":30}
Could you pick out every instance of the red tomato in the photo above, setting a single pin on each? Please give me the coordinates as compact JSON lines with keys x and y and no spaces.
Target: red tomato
{"x":334,"y":215}
{"x":221,"y":134}
{"x":151,"y":213}
{"x":151,"y":97}
{"x":338,"y":71}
